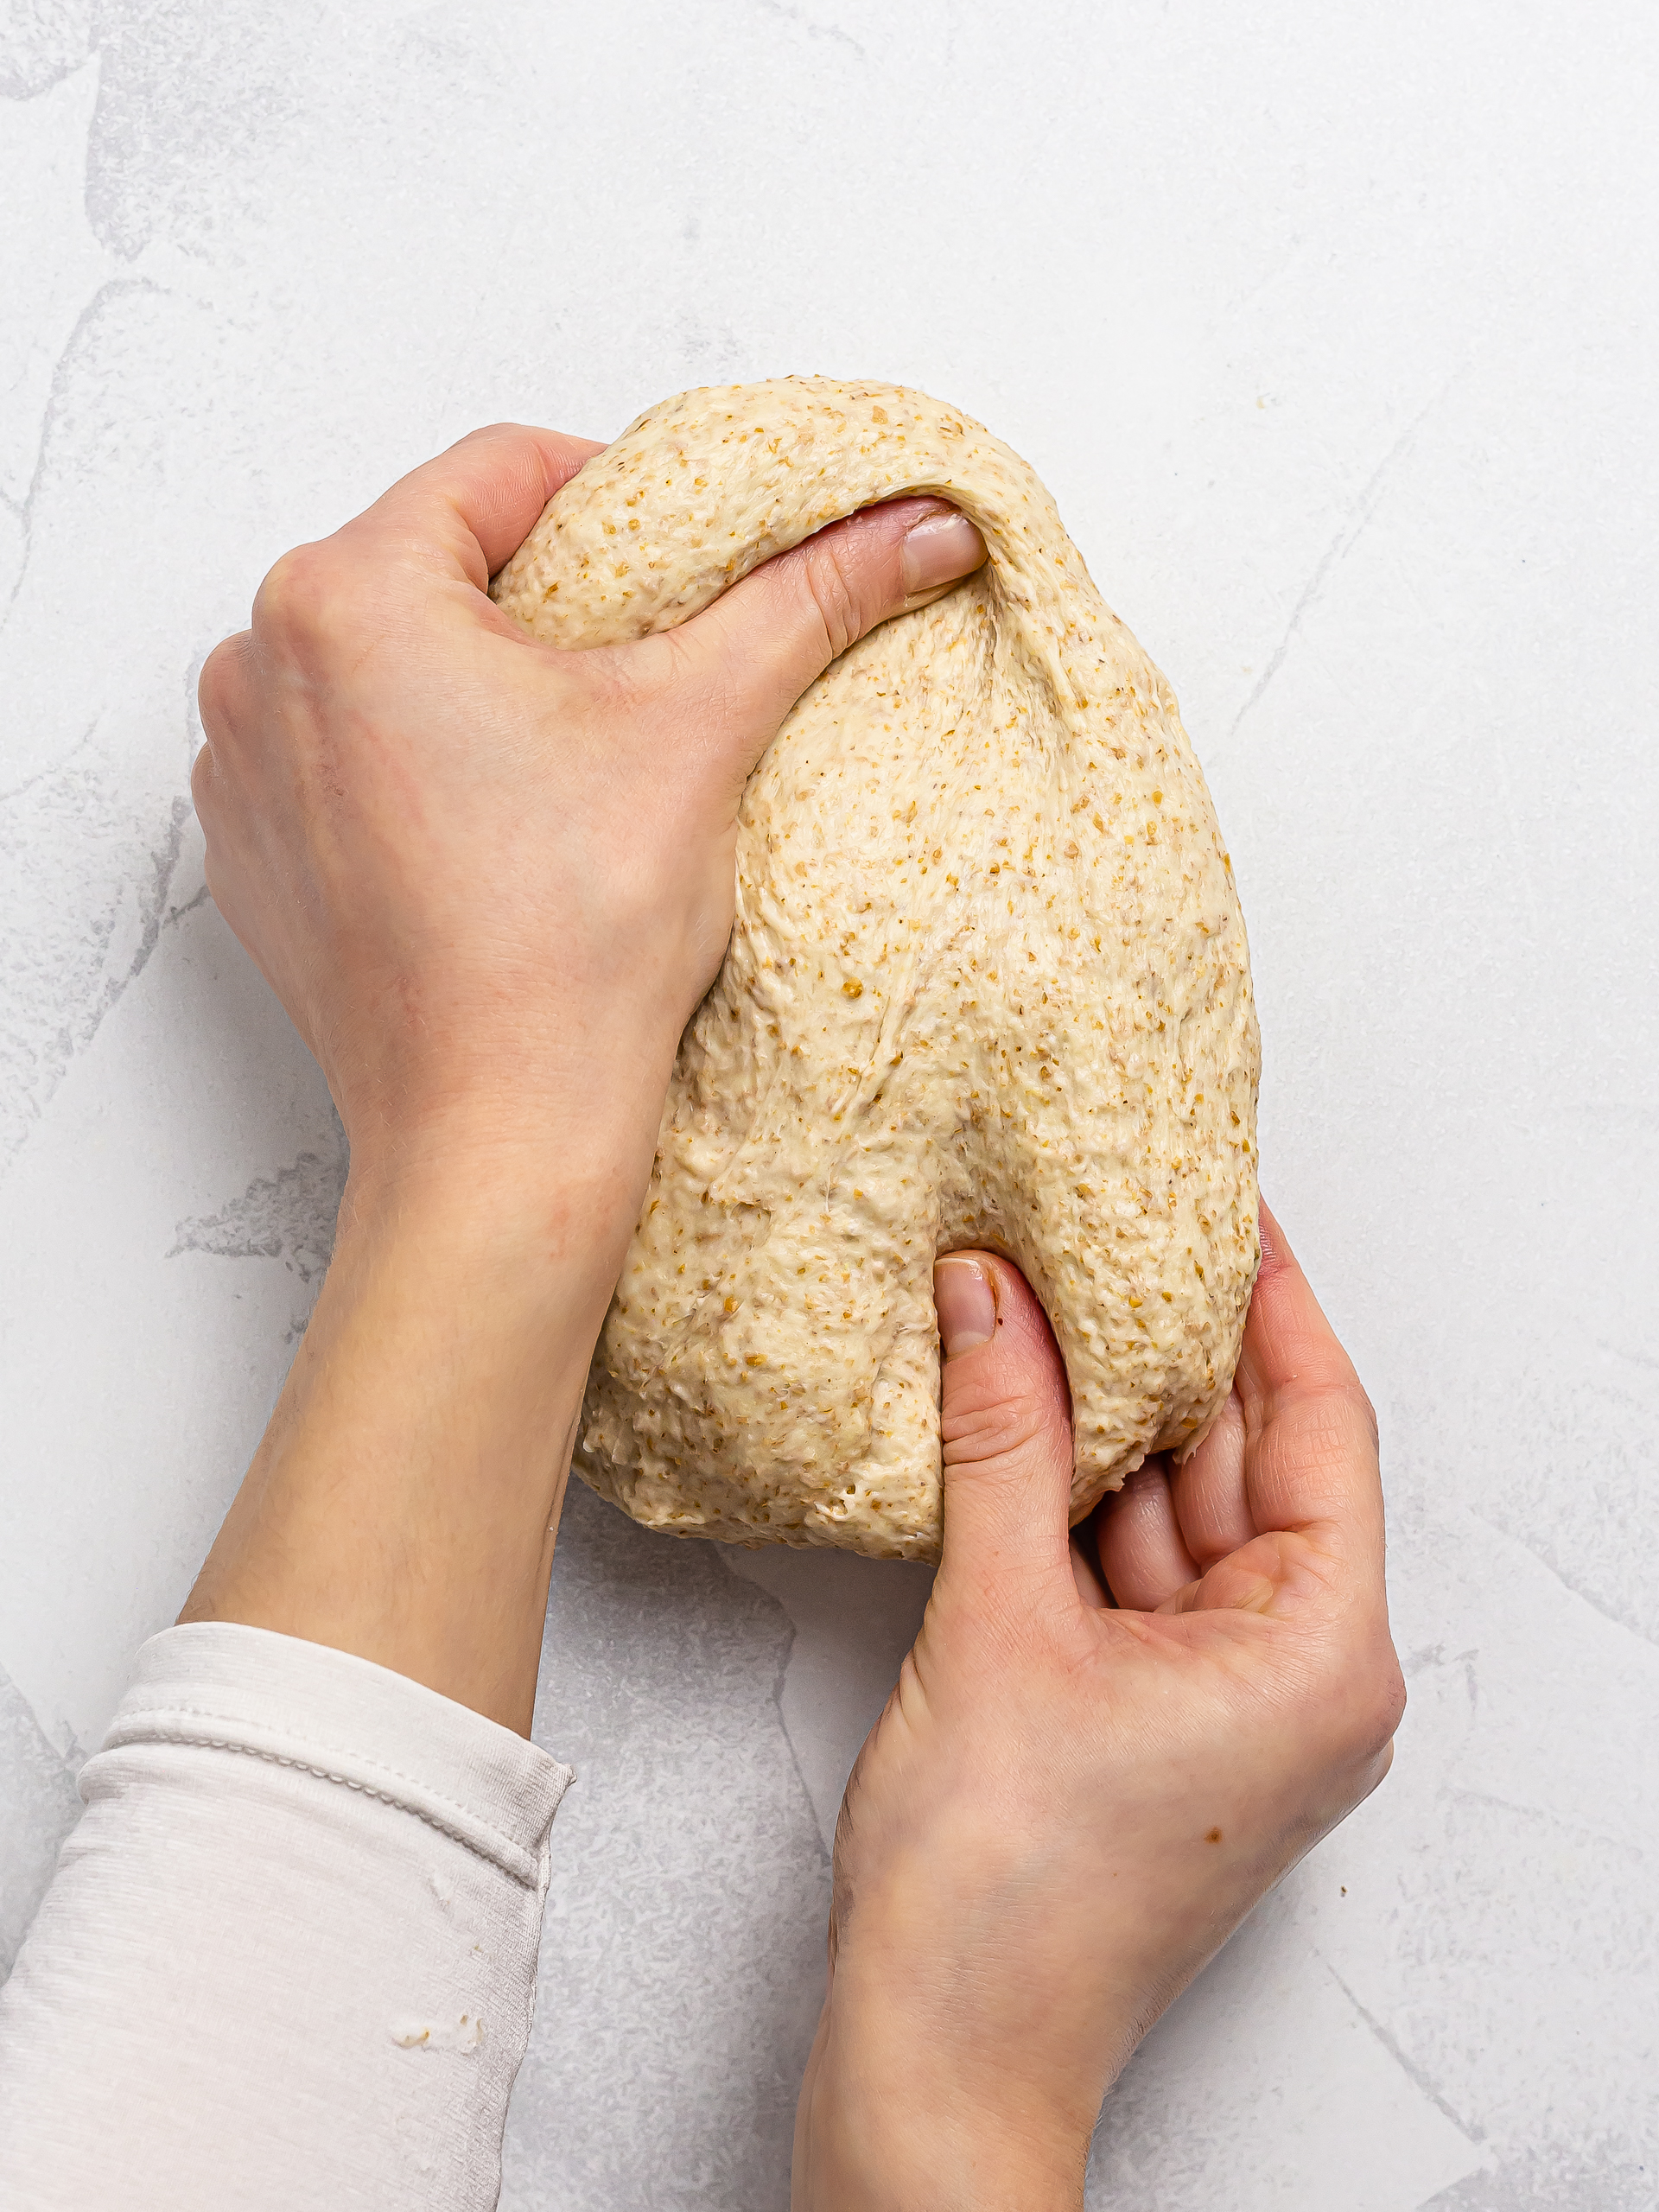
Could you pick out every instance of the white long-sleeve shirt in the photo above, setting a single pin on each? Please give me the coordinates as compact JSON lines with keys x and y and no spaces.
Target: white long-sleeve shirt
{"x":288,"y":1958}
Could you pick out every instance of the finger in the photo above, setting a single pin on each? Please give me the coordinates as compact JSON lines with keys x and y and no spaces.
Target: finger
{"x":1005,"y":1423}
{"x":1209,"y":1492}
{"x":475,"y":505}
{"x":1141,"y":1552}
{"x":1311,"y":1455}
{"x":763,"y":642}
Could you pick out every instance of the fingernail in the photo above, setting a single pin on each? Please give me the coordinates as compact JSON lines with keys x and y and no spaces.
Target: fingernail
{"x":939,"y":550}
{"x":967,"y":1301}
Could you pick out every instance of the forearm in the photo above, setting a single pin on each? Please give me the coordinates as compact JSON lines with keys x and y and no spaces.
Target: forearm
{"x":403,"y":1503}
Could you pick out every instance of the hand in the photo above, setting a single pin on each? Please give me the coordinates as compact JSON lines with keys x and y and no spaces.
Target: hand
{"x":489,"y":882}
{"x":1073,"y":1798}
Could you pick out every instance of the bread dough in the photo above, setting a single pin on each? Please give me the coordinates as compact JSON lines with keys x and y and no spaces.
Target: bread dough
{"x":987,"y":985}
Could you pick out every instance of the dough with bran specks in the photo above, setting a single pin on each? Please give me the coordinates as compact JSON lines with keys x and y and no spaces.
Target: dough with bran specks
{"x":988,"y":986}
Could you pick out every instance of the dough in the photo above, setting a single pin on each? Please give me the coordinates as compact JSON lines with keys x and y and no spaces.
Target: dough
{"x":987,"y":985}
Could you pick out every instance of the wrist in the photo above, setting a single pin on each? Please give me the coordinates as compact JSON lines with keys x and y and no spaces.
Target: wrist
{"x":533,"y":1107}
{"x":504,"y":1140}
{"x":534,"y":1213}
{"x":875,"y":2134}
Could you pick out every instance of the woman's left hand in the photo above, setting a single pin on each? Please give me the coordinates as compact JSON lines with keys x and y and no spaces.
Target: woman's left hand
{"x":489,"y":881}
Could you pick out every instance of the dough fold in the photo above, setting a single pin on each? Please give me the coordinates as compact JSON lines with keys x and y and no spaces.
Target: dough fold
{"x":987,"y":985}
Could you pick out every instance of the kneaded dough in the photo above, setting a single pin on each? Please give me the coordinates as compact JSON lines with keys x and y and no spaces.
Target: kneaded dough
{"x":987,"y":985}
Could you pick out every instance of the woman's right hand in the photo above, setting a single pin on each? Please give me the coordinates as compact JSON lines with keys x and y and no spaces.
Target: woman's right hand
{"x":1073,"y":1798}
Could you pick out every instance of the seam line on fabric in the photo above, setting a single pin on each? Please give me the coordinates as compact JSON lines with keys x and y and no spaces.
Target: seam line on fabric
{"x":345,"y":1751}
{"x":302,"y":1765}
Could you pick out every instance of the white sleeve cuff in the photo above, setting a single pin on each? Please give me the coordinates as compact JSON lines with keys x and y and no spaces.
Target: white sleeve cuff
{"x":288,"y":1957}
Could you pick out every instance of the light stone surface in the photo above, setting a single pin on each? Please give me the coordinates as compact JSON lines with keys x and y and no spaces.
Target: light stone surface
{"x":1334,"y":329}
{"x":987,"y":987}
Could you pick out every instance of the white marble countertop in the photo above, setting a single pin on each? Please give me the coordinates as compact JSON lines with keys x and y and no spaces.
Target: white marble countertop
{"x":1333,"y":330}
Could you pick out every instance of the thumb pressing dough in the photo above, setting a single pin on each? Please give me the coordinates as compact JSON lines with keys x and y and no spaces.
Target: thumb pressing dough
{"x":987,"y":985}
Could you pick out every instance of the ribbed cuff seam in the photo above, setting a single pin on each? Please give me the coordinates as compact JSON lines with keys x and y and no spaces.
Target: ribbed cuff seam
{"x":354,"y":1771}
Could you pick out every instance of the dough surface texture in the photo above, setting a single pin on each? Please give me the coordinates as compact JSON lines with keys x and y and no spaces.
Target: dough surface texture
{"x":987,"y":985}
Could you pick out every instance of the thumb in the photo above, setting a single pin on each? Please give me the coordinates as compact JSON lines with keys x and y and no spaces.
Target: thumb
{"x":1005,"y":1423}
{"x":764,"y":641}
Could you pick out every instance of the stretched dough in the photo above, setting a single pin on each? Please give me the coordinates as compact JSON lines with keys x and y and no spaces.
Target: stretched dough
{"x":987,"y":985}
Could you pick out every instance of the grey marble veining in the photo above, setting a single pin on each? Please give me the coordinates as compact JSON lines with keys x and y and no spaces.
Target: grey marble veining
{"x":1332,"y":332}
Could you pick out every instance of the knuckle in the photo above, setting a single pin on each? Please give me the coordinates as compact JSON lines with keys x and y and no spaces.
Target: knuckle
{"x":488,"y":433}
{"x":1003,"y":1427}
{"x":1326,"y":1434}
{"x":834,"y":595}
{"x":298,"y":606}
{"x":1387,"y":1704}
{"x":219,"y":688}
{"x":202,"y":770}
{"x":1368,"y":1414}
{"x":1371,"y":1704}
